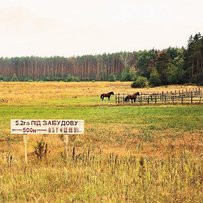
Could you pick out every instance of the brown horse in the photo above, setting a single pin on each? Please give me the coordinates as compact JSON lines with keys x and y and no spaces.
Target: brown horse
{"x":106,"y":95}
{"x":132,"y":97}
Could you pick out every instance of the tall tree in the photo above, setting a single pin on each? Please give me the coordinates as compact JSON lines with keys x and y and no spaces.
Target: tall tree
{"x":194,"y":58}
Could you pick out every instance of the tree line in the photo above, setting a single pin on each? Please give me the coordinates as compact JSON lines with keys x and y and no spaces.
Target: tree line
{"x":155,"y":67}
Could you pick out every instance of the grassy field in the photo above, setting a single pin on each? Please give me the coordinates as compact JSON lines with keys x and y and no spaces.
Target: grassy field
{"x":127,"y":153}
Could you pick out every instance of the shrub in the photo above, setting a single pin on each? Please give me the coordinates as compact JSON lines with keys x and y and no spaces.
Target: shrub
{"x":140,"y":82}
{"x":41,"y":149}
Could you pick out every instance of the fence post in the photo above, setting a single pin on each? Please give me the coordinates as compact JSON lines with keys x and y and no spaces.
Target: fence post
{"x":179,"y":96}
{"x":165,"y":97}
{"x":175,"y":95}
{"x":191,"y":97}
{"x":147,"y":98}
{"x":141,"y":98}
{"x":182,"y":97}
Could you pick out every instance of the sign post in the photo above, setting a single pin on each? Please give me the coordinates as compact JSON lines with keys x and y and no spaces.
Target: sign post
{"x":66,"y":145}
{"x":25,"y":143}
{"x":35,"y":127}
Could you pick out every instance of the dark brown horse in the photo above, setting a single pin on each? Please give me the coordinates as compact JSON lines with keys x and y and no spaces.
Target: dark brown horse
{"x":106,"y":95}
{"x":132,"y":97}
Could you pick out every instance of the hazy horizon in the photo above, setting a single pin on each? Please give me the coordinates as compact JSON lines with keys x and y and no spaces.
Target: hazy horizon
{"x":74,"y":28}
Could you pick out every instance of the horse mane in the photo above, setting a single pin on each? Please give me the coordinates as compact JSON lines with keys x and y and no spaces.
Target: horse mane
{"x":137,"y":93}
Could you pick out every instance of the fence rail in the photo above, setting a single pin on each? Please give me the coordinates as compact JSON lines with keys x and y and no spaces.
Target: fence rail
{"x":188,"y":96}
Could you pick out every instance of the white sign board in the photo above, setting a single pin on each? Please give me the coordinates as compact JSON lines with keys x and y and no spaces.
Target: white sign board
{"x":25,"y":126}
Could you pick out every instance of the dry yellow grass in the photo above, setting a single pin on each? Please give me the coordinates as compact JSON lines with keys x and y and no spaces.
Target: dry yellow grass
{"x":39,"y":92}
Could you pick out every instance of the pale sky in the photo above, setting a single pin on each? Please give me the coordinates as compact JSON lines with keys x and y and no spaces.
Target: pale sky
{"x":78,"y":27}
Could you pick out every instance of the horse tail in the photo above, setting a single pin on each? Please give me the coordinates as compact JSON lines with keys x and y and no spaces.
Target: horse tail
{"x":126,"y":98}
{"x":101,"y":96}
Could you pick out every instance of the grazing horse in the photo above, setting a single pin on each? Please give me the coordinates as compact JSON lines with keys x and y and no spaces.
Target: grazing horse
{"x":106,"y":95}
{"x":133,"y":97}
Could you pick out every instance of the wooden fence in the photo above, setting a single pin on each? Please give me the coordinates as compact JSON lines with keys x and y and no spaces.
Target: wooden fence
{"x":188,"y":96}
